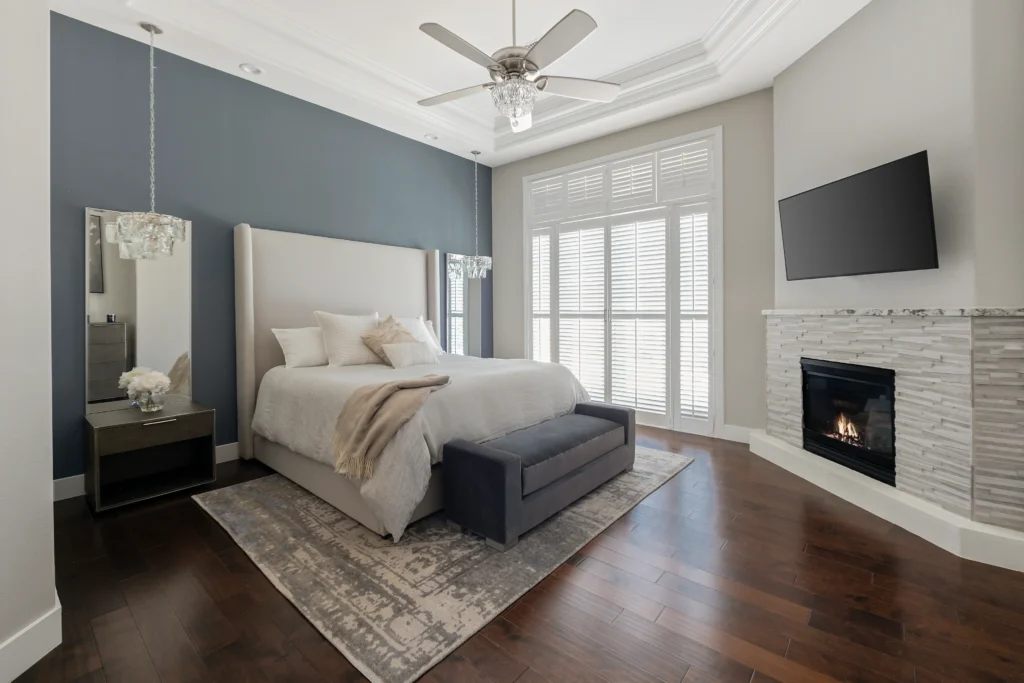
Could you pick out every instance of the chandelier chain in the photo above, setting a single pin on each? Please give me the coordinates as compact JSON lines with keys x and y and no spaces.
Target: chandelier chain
{"x":152,"y":125}
{"x":476,"y":204}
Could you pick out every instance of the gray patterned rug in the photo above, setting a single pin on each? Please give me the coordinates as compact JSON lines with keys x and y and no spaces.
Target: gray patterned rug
{"x":395,"y":610}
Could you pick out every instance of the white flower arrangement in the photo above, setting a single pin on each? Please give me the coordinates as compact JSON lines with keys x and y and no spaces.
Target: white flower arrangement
{"x":144,"y":380}
{"x":127,"y":377}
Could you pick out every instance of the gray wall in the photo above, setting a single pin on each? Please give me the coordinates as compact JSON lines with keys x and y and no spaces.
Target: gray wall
{"x":747,"y":202}
{"x":228,"y":151}
{"x":893,"y":80}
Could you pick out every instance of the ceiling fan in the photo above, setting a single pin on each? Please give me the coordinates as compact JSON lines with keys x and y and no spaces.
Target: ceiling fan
{"x":515,"y":71}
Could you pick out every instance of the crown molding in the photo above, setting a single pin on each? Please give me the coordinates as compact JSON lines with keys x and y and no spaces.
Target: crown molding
{"x":304,"y":59}
{"x":662,"y":77}
{"x":310,"y":55}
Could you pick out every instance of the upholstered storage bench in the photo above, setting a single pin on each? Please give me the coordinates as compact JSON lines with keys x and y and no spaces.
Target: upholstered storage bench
{"x":505,"y":487}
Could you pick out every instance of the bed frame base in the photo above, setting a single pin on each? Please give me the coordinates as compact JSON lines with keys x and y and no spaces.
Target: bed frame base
{"x":339,"y":491}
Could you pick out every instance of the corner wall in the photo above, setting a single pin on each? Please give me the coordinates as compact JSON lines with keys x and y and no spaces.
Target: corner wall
{"x":29,"y":613}
{"x":901,"y":76}
{"x":747,"y":203}
{"x":893,"y":80}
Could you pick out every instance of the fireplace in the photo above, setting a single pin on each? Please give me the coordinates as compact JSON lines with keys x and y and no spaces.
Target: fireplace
{"x":848,"y":416}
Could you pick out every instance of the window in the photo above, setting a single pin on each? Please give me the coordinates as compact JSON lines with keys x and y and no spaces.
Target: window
{"x":456,"y":313}
{"x":621,"y":274}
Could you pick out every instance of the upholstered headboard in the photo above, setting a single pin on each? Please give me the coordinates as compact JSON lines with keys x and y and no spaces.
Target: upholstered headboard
{"x":282,"y":277}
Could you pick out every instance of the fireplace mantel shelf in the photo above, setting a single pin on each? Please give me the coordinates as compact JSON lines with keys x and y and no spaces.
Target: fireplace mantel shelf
{"x":901,"y":312}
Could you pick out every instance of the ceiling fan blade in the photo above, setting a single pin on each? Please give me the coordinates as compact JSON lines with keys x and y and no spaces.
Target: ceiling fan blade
{"x":454,"y":95}
{"x":563,"y":36}
{"x":579,"y":88}
{"x":452,"y":41}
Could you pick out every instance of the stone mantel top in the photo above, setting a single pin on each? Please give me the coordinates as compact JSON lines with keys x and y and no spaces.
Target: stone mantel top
{"x":900,"y":312}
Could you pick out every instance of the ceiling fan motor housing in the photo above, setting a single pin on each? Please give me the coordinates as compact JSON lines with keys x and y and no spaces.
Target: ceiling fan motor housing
{"x":511,"y":62}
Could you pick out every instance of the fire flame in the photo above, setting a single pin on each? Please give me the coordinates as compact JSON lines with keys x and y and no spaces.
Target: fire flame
{"x":845,"y":429}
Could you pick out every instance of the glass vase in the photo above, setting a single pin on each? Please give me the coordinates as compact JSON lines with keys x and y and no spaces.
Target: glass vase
{"x":149,"y":402}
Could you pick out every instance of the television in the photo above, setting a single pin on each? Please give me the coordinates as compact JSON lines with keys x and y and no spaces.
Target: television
{"x":877,"y":221}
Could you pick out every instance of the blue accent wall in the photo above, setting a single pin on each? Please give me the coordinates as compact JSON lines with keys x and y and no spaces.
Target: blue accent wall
{"x":229,"y":151}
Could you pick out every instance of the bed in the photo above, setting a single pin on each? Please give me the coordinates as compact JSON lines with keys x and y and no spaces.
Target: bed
{"x":286,"y":415}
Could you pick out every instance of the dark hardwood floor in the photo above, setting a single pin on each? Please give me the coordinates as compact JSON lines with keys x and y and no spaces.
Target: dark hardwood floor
{"x":735,"y":570}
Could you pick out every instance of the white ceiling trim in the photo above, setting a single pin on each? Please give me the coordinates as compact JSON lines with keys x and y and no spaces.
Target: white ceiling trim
{"x":311,"y":55}
{"x":738,"y":53}
{"x":661,"y":77}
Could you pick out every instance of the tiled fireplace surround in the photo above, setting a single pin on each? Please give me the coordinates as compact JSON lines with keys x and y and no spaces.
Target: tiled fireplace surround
{"x":959,"y":407}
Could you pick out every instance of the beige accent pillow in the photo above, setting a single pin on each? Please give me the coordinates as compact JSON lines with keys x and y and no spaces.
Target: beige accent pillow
{"x":410,"y":353}
{"x":388,"y":332}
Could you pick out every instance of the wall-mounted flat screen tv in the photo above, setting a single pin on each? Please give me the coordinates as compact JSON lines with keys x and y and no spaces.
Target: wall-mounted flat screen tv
{"x":878,"y":221}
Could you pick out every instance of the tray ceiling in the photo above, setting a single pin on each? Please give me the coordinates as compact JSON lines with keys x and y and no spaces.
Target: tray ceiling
{"x":370,"y":61}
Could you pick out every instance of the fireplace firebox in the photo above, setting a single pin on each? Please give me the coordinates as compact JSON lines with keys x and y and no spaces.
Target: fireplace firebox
{"x":849,"y":417}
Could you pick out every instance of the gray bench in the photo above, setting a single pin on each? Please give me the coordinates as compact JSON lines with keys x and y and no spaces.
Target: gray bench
{"x":502,"y":488}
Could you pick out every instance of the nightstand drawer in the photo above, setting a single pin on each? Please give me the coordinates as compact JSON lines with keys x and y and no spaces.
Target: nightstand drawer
{"x":155,"y":431}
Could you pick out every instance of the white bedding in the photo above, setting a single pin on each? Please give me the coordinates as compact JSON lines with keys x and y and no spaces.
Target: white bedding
{"x":487,"y":398}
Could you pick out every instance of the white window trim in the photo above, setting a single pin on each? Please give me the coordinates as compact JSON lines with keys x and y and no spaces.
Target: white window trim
{"x":715,"y":427}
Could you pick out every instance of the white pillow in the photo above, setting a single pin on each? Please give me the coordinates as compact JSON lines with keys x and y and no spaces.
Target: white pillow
{"x":433,"y":336}
{"x":303,"y":346}
{"x":343,"y":338}
{"x":423,"y":331}
{"x":410,"y":353}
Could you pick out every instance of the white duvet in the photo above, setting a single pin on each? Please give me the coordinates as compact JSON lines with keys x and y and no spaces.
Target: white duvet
{"x":487,"y":398}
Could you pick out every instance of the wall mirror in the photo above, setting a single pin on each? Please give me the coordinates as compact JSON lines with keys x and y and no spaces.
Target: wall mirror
{"x":463,"y":308}
{"x":138,"y":313}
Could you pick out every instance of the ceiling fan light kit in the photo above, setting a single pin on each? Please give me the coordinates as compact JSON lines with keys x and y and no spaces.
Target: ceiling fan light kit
{"x":515,"y":71}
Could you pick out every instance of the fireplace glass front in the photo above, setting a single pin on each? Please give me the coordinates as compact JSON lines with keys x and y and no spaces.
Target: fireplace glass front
{"x":849,"y":417}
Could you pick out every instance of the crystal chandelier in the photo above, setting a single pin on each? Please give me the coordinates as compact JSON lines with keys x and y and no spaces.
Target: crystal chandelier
{"x":476,"y":266}
{"x":140,"y":234}
{"x":514,"y":97}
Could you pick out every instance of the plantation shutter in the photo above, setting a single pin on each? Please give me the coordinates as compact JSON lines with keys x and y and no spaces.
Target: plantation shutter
{"x":456,"y":314}
{"x":638,"y":312}
{"x":694,"y":313}
{"x":541,"y":303}
{"x":685,"y":171}
{"x":547,"y":198}
{"x":621,"y":278}
{"x":586,"y":191}
{"x":632,"y":181}
{"x":581,"y":304}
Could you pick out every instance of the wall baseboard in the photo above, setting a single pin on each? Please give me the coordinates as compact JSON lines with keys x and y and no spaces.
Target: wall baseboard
{"x":961,"y":536}
{"x":30,"y":644}
{"x":68,"y":487}
{"x":734,"y":433}
{"x":227,"y":452}
{"x":72,"y":487}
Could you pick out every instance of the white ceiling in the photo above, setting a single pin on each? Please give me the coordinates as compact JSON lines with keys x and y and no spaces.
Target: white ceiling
{"x":368,"y":59}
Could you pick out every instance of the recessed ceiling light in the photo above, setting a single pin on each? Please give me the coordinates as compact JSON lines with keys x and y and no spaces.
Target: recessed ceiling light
{"x":250,"y":69}
{"x":429,"y":136}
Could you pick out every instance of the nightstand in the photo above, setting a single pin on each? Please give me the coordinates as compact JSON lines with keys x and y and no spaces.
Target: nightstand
{"x":133,"y":455}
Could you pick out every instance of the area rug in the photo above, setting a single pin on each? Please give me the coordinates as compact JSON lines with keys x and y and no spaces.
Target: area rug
{"x":395,"y":610}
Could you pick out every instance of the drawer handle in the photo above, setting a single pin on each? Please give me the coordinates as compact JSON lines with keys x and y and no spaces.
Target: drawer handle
{"x":160,"y":422}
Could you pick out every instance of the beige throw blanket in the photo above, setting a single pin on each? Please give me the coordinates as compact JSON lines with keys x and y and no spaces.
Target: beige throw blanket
{"x":370,"y":418}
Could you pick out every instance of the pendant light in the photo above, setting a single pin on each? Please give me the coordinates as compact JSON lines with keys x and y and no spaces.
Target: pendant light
{"x":147,"y":234}
{"x":476,"y":266}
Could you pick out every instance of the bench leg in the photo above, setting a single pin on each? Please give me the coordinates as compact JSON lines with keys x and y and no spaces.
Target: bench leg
{"x":503,"y":547}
